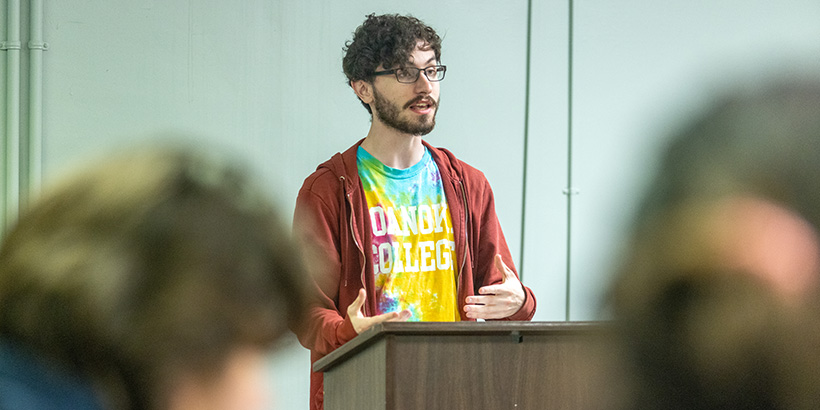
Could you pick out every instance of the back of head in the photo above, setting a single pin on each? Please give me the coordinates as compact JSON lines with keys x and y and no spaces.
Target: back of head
{"x":716,"y":288}
{"x":146,"y":268}
{"x":753,"y":149}
{"x":760,"y":140}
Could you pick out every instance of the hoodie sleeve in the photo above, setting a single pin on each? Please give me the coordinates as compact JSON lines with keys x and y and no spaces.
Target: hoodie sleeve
{"x":316,"y":226}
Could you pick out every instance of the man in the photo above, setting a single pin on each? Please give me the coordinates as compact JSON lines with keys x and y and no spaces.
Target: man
{"x":407,"y":231}
{"x":155,"y":280}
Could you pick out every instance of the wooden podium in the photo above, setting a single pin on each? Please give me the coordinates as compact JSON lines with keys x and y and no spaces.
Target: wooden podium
{"x":463,"y":365}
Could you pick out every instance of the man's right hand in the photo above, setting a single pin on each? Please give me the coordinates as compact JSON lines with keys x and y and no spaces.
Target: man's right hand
{"x":361,"y":322}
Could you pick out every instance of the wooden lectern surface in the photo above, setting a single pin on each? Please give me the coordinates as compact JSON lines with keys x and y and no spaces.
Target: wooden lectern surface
{"x":463,"y":365}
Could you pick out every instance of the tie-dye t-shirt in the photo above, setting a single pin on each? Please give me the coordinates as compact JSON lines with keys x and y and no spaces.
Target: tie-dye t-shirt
{"x":414,"y":259}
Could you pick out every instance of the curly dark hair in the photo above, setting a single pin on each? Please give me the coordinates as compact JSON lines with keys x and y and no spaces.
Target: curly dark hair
{"x":385,"y":40}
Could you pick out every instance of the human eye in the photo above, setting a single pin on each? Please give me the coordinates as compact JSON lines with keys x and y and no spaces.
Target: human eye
{"x":407,"y":73}
{"x":435,"y":73}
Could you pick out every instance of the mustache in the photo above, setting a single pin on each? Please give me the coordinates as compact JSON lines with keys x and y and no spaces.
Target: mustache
{"x":433,"y":103}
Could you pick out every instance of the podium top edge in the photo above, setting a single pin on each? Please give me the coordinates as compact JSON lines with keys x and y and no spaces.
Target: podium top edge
{"x":522,"y":328}
{"x":490,"y":327}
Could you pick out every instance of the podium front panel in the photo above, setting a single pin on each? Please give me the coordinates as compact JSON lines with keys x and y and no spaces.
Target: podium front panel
{"x":463,"y":366}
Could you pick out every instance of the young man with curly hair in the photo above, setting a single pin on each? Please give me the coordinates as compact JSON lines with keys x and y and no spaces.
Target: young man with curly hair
{"x":406,"y":231}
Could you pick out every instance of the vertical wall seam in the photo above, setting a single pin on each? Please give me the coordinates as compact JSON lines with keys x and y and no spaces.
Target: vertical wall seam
{"x":569,"y":158}
{"x":37,"y":47}
{"x":526,"y":141}
{"x":4,"y":137}
{"x":11,"y":194}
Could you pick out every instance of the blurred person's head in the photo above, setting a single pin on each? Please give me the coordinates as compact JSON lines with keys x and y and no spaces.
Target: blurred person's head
{"x":738,"y":188}
{"x":724,"y":258}
{"x":162,"y":277}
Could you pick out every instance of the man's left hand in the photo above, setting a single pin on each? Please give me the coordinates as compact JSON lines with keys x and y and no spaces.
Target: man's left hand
{"x":497,"y":301}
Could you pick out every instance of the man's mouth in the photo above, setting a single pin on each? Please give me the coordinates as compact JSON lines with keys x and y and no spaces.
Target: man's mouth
{"x":422,"y":106}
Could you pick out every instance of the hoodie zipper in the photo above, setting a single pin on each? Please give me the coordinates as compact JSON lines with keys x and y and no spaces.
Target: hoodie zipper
{"x":466,"y":226}
{"x":466,"y":223}
{"x":353,"y":235}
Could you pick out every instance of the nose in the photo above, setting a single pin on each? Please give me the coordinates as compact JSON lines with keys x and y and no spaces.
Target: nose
{"x":423,"y":85}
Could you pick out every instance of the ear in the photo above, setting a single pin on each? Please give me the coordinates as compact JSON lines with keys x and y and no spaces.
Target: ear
{"x":363,"y":89}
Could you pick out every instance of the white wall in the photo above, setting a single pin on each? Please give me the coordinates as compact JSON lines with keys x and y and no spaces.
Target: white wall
{"x":262,"y":79}
{"x":640,"y":67}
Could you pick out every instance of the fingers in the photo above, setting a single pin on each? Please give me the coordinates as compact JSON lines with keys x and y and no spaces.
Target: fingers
{"x":481,"y":300}
{"x":491,"y":290}
{"x":487,"y":311}
{"x":499,"y":264}
{"x":391,"y":317}
{"x":361,"y":322}
{"x":355,"y":308}
{"x":360,"y":298}
{"x":385,"y":317}
{"x":508,"y":286}
{"x":510,"y":283}
{"x":502,"y":267}
{"x":497,"y":301}
{"x":492,"y":307}
{"x":402,"y":316}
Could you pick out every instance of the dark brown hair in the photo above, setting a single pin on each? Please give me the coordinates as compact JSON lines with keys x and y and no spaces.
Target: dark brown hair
{"x":697,"y":333}
{"x":146,"y":267}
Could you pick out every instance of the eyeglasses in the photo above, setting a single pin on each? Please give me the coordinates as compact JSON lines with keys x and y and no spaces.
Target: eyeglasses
{"x":409,"y":75}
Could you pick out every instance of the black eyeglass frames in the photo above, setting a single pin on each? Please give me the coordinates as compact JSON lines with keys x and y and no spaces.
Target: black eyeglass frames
{"x":409,"y":75}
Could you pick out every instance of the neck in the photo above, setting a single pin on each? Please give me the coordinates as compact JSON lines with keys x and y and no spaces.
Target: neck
{"x":392,"y":147}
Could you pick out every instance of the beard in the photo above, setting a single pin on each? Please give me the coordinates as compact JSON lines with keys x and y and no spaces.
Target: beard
{"x":390,"y":113}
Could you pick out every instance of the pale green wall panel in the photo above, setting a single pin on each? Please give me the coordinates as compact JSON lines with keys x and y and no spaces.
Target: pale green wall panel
{"x":640,"y":67}
{"x":262,"y":80}
{"x":545,"y":227}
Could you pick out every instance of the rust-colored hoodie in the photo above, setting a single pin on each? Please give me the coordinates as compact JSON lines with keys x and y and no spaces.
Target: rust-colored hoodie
{"x":331,"y":216}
